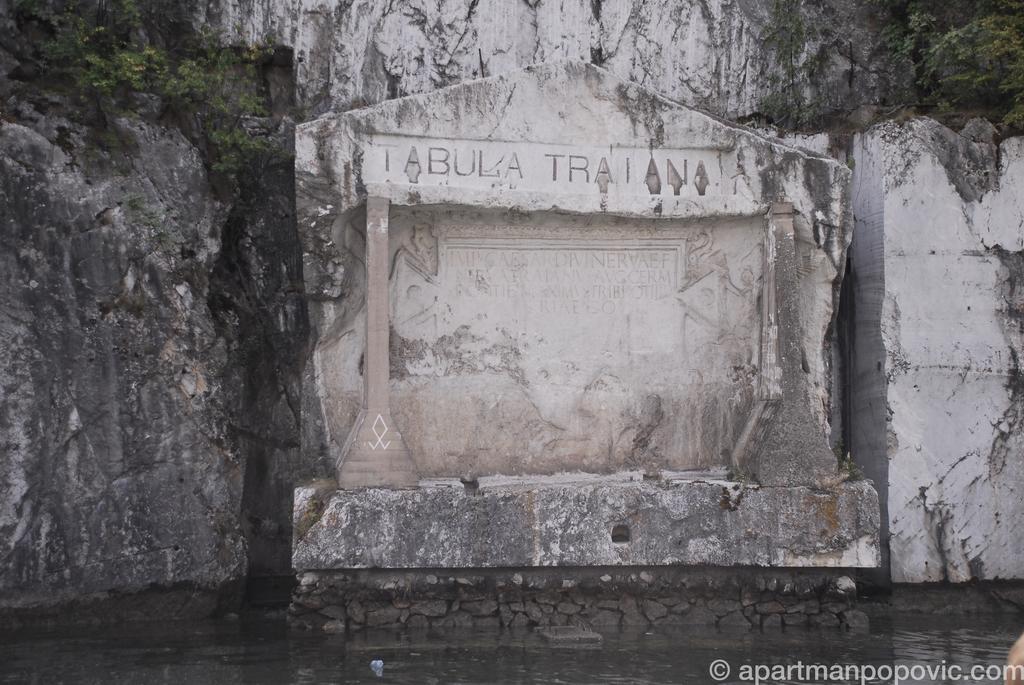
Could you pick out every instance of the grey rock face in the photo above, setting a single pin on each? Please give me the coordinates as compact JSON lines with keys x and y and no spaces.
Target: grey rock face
{"x":255,"y":295}
{"x":150,"y":330}
{"x":117,"y":470}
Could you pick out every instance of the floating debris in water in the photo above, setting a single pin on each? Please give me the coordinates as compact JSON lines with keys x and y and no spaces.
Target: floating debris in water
{"x":377,"y":666}
{"x":569,"y":635}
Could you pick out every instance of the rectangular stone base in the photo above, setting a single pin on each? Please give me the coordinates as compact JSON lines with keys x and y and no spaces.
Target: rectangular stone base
{"x":602,"y":521}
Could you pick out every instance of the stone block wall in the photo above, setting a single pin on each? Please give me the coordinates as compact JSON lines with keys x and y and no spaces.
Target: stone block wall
{"x":338,"y":601}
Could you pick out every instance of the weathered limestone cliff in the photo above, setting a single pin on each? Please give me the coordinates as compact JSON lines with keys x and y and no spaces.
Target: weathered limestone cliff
{"x":937,"y":404}
{"x":117,"y":468}
{"x":152,"y":325}
{"x":727,"y":56}
{"x":150,"y":322}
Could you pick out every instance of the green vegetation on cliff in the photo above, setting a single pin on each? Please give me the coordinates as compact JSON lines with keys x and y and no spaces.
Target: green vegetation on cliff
{"x":109,"y":51}
{"x":965,"y":54}
{"x":788,"y":36}
{"x":962,"y":57}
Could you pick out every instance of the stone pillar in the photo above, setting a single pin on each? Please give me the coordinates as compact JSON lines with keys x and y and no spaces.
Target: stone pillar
{"x":793,"y":449}
{"x":375,"y":455}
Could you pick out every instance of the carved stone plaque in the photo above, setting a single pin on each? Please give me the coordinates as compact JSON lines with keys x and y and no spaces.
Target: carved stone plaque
{"x":570,"y":344}
{"x":581,"y":277}
{"x":544,"y":283}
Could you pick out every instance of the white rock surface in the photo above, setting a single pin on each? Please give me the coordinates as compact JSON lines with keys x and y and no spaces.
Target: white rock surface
{"x":717,"y":54}
{"x":939,"y":240}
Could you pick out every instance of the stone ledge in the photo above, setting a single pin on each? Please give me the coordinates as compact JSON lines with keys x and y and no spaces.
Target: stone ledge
{"x":680,"y":523}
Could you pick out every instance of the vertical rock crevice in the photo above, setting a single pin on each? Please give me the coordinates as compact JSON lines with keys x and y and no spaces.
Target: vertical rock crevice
{"x":865,"y":410}
{"x":257,"y":300}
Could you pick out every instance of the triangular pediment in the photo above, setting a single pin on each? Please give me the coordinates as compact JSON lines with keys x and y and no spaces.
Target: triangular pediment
{"x":566,"y":136}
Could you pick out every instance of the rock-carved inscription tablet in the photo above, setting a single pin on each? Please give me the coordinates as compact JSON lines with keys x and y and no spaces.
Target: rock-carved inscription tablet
{"x":576,"y":345}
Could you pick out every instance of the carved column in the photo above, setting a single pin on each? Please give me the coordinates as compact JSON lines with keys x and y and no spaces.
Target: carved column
{"x":788,"y":447}
{"x":375,"y":455}
{"x":768,"y":395}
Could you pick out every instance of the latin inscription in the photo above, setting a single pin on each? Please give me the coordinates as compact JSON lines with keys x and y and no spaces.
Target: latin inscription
{"x":560,"y":335}
{"x":566,"y":168}
{"x":599,"y":280}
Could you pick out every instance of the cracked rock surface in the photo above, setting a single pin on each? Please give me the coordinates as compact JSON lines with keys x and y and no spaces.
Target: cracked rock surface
{"x":722,"y":55}
{"x":148,"y":399}
{"x":115,"y":468}
{"x":937,"y":263}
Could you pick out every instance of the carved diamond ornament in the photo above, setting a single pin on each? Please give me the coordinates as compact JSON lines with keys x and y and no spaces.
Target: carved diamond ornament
{"x":380,"y":429}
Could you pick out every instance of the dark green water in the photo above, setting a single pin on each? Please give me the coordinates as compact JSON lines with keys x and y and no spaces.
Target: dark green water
{"x":264,"y":651}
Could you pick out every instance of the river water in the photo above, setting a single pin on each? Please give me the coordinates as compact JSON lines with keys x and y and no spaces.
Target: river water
{"x":261,"y":650}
